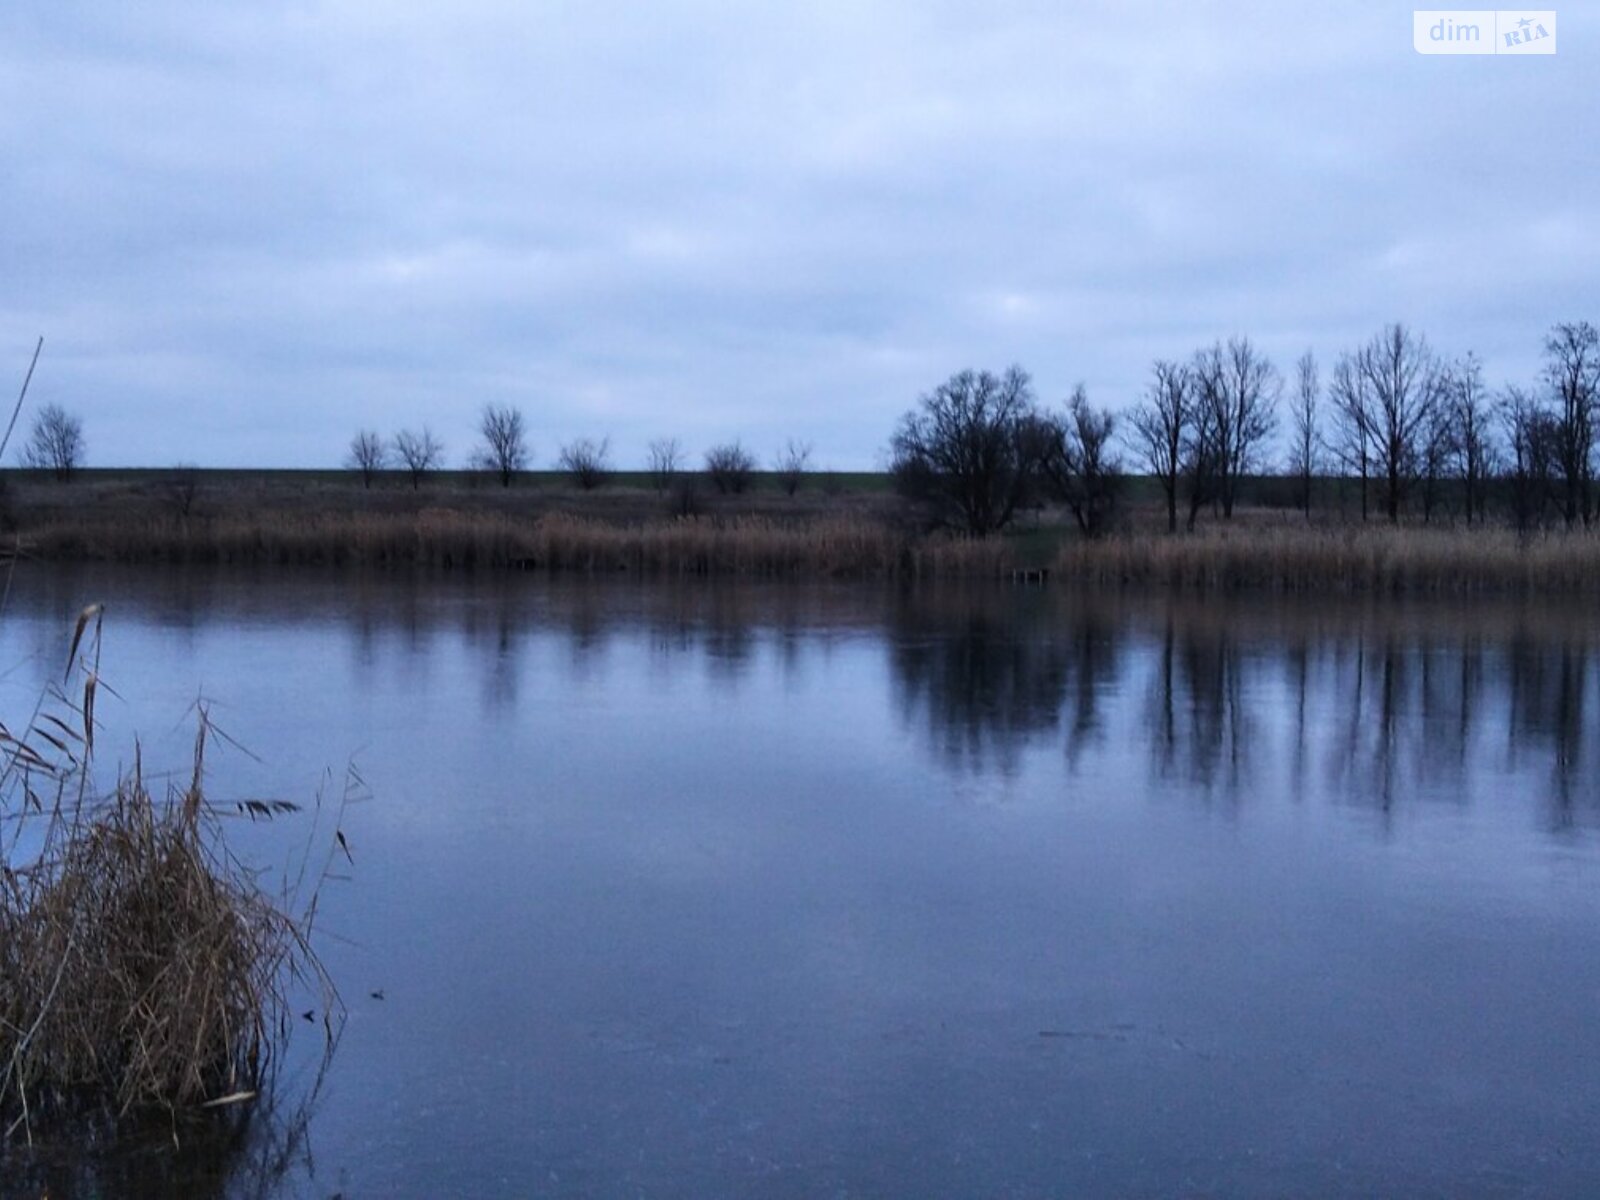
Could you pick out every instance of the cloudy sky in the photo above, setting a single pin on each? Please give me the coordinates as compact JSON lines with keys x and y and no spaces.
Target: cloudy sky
{"x":247,"y":230}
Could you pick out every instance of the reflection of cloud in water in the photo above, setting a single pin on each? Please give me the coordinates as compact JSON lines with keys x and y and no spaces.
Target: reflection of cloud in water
{"x":730,"y":843}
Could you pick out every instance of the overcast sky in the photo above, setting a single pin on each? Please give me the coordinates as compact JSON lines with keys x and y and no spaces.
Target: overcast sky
{"x":247,"y":230}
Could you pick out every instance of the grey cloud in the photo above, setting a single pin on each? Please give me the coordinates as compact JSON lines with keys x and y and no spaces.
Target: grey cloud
{"x":245,"y":232}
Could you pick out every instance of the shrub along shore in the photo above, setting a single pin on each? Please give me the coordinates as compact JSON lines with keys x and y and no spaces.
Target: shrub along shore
{"x":860,"y":532}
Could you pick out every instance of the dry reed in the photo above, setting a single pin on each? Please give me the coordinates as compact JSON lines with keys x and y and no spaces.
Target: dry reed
{"x":1372,"y":559}
{"x":1273,"y":556}
{"x":144,"y":967}
{"x":844,"y":546}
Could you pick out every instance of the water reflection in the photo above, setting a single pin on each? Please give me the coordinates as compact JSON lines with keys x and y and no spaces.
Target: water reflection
{"x":990,"y":673}
{"x":243,"y":1154}
{"x":1372,"y":703}
{"x":674,"y":888}
{"x":1373,"y":708}
{"x":1549,"y":687}
{"x":1199,"y":725}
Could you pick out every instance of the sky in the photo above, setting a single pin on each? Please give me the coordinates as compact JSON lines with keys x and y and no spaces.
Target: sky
{"x":246,"y":231}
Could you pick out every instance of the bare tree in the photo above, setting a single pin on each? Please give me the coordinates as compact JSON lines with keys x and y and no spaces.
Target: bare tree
{"x":971,"y":449}
{"x":505,"y":445}
{"x":1160,"y":424}
{"x":1572,"y":369}
{"x":1472,"y":440}
{"x":1199,"y":473}
{"x":56,"y":442}
{"x":588,"y":462}
{"x":368,"y":454}
{"x":1437,"y":453}
{"x":1532,"y":437}
{"x":1303,"y":450}
{"x":791,"y":464}
{"x":666,"y":460}
{"x":1404,"y":382}
{"x":1237,"y":392}
{"x":1079,"y":464}
{"x":419,"y":453}
{"x":1353,"y":423}
{"x":180,"y":489}
{"x":731,"y":467}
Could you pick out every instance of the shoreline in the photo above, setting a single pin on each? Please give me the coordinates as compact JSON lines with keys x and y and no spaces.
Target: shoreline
{"x":859,"y":533}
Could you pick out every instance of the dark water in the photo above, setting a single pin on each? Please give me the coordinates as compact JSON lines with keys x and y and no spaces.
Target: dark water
{"x":739,"y":891}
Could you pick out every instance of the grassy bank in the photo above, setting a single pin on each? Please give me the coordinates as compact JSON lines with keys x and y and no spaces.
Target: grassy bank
{"x":311,"y":518}
{"x":853,"y":547}
{"x":1341,"y":558}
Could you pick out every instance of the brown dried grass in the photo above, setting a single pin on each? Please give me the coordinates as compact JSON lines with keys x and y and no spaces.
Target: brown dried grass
{"x":1350,"y":559}
{"x":144,"y":967}
{"x":842,"y":546}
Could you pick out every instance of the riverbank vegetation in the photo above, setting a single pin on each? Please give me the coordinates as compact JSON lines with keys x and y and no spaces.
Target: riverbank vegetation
{"x":146,"y":970}
{"x":857,"y":534}
{"x":1342,"y":558}
{"x":1404,"y":473}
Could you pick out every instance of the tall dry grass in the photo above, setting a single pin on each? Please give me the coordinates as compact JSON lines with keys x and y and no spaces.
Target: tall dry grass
{"x":846,"y":546}
{"x":1377,"y":559}
{"x":144,"y":967}
{"x":1274,"y":555}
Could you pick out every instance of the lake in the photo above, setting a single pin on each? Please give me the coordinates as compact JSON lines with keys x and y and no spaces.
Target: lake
{"x":723,"y":889}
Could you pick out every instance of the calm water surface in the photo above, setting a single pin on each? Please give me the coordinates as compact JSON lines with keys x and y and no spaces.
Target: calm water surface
{"x":725,"y":890}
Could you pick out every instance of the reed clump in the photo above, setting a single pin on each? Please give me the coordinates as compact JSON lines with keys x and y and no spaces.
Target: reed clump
{"x":141,"y":971}
{"x":144,"y":967}
{"x":1353,"y":559}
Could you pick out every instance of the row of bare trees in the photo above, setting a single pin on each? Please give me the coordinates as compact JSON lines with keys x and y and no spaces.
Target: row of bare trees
{"x":503,"y":450}
{"x":417,"y":450}
{"x":1396,"y":418}
{"x":1405,"y":425}
{"x":729,"y":466}
{"x":1405,"y":422}
{"x":1201,"y":427}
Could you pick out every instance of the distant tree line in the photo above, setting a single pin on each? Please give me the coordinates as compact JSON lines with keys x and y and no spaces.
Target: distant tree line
{"x":503,"y":450}
{"x":1411,"y":433}
{"x":1412,"y":429}
{"x":1414,"y":434}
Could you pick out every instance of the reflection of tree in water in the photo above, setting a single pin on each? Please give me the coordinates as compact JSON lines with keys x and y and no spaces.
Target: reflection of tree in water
{"x":502,"y":647}
{"x":728,"y":638}
{"x":1414,"y":710}
{"x":589,"y":626}
{"x":1395,"y":704}
{"x":989,"y":682}
{"x":1406,"y":723}
{"x":1373,"y":682}
{"x":720,"y":625}
{"x":1382,"y":702}
{"x":1549,"y":685}
{"x":1450,"y":687}
{"x":1196,"y":718}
